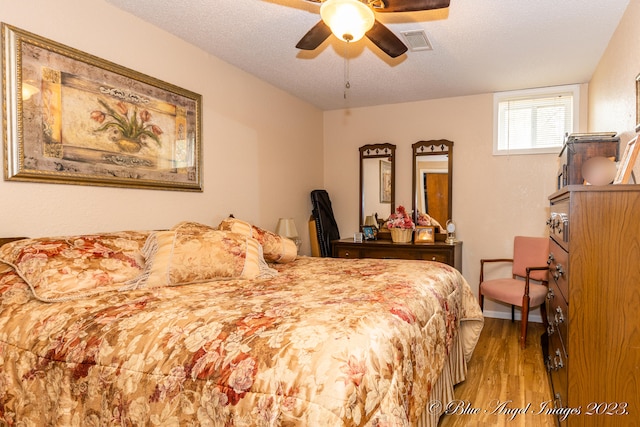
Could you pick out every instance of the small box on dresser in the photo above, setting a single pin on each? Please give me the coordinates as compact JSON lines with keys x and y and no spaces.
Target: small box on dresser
{"x":592,"y":344}
{"x":580,"y":147}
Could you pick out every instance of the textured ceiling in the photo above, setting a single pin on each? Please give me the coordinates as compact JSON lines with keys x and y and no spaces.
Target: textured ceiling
{"x":479,"y":46}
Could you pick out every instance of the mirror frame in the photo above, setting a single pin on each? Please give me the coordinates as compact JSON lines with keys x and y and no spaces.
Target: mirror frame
{"x":434,"y":147}
{"x":377,"y":151}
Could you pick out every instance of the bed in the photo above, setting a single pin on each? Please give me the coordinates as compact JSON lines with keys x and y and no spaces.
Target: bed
{"x":225,"y":326}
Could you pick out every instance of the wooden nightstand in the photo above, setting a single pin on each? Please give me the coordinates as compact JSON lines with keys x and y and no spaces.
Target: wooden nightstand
{"x":438,"y":251}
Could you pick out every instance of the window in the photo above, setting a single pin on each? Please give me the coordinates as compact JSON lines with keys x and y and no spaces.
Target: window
{"x":534,"y":121}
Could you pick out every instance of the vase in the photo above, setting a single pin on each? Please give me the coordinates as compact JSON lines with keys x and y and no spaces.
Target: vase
{"x":401,"y":235}
{"x":129,"y":145}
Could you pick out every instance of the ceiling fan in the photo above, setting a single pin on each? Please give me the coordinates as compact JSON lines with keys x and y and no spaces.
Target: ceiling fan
{"x":338,"y":16}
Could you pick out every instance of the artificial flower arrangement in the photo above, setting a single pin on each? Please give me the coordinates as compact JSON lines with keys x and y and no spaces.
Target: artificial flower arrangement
{"x":400,"y":219}
{"x":425,"y":220}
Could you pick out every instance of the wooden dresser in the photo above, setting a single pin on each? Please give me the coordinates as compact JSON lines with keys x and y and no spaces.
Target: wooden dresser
{"x":438,"y":251}
{"x":592,"y":345}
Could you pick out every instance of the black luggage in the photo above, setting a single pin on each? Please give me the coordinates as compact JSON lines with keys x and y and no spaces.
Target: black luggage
{"x":326,"y":226}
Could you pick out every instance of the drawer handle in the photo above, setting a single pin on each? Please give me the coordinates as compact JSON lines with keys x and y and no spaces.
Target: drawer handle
{"x":559,"y":399}
{"x":346,"y":254}
{"x":548,"y":364}
{"x":551,"y":258}
{"x":550,"y":294}
{"x":550,"y":330}
{"x":557,"y":361}
{"x":553,"y":222}
{"x":559,"y":316}
{"x":433,"y":258}
{"x":559,"y":272}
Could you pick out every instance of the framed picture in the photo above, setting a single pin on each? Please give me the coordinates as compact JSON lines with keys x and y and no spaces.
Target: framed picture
{"x":73,"y":118}
{"x":385,"y":181}
{"x":369,"y":232}
{"x":627,"y":161}
{"x":637,"y":100}
{"x":425,"y":234}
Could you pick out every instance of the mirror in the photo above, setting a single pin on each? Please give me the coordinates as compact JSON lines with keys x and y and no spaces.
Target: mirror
{"x":432,"y":179}
{"x":377,"y":181}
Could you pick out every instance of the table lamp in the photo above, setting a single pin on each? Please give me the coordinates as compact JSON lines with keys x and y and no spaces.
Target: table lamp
{"x":287,"y":228}
{"x":370,"y":221}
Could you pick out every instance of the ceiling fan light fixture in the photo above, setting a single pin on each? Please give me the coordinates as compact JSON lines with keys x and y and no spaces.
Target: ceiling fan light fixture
{"x":349,"y":20}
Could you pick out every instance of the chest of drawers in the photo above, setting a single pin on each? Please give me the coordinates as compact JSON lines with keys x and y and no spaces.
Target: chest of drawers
{"x":592,"y":344}
{"x":438,"y":251}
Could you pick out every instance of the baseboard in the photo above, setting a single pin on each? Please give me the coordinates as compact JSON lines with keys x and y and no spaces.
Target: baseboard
{"x":534,"y":318}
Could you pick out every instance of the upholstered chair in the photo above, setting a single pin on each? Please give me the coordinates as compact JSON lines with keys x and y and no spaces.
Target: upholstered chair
{"x":528,"y":285}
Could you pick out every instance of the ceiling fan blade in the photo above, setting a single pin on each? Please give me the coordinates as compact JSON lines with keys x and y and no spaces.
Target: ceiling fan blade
{"x":314,"y":37}
{"x":388,"y":42}
{"x":409,"y":5}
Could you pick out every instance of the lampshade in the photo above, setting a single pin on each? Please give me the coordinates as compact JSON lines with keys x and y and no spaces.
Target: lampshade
{"x":370,"y":221}
{"x":287,"y":228}
{"x":349,"y":20}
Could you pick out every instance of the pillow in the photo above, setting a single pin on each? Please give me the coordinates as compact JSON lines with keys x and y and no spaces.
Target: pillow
{"x":190,"y":227}
{"x":275,"y":248}
{"x":72,"y":267}
{"x":236,"y":225}
{"x":191,"y":253}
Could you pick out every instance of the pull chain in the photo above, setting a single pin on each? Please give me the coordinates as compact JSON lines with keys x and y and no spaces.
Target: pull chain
{"x":347,"y":84}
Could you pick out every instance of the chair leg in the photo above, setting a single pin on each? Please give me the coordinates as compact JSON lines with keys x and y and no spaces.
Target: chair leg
{"x":525,"y":320}
{"x":513,"y":313}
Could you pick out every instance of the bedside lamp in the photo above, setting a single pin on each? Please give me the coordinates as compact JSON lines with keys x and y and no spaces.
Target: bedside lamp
{"x":287,"y":228}
{"x":370,"y":221}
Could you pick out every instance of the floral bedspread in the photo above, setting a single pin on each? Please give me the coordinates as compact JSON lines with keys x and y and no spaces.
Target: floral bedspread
{"x":326,"y":342}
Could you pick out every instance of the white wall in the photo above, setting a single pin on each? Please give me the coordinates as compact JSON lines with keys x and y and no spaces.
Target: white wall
{"x":258,"y":141}
{"x":612,"y":90}
{"x":494,"y":197}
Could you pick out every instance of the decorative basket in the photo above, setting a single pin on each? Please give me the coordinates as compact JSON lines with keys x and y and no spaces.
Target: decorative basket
{"x":401,"y":235}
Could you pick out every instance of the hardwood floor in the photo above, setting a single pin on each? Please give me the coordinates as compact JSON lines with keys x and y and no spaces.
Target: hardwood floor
{"x":502,"y":375}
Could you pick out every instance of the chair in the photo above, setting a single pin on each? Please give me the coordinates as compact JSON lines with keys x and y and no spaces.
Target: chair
{"x":313,"y":237}
{"x":527,"y":288}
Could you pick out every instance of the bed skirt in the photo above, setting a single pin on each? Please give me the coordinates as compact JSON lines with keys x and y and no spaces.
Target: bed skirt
{"x":454,"y":372}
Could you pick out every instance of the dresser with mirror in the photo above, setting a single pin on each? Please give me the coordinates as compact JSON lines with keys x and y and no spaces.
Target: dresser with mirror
{"x":377,"y":181}
{"x":432,"y":179}
{"x":432,"y":165}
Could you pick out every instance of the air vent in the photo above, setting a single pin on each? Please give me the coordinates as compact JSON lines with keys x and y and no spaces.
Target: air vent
{"x":417,"y":40}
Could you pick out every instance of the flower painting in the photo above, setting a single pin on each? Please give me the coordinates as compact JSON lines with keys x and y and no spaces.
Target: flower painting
{"x":128,"y":129}
{"x":88,"y":121}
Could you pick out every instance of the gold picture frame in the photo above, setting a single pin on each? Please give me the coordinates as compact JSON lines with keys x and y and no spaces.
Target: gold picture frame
{"x":425,"y":234}
{"x":73,"y":118}
{"x":627,"y":162}
{"x":637,"y":100}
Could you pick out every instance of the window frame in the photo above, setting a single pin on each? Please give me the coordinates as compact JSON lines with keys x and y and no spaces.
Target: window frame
{"x":533,"y":93}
